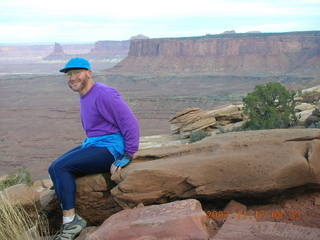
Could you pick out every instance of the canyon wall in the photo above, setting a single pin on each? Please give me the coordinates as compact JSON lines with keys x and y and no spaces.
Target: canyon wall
{"x":104,"y":49}
{"x":100,"y":50}
{"x":226,"y":53}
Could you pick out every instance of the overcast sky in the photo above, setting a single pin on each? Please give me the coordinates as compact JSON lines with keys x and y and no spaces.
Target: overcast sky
{"x":24,"y":21}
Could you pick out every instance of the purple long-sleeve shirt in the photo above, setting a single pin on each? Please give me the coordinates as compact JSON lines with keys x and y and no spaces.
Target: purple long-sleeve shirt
{"x":103,"y":112}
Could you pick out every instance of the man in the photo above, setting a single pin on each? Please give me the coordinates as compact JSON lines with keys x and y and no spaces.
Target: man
{"x":112,"y":139}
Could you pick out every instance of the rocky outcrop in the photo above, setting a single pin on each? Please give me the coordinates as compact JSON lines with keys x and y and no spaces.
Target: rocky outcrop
{"x":57,"y":53}
{"x":313,"y":118}
{"x":94,"y":202}
{"x":300,"y":208}
{"x":192,"y":120}
{"x":101,"y":50}
{"x":34,"y":198}
{"x":179,"y":220}
{"x":230,"y":117}
{"x":226,"y":53}
{"x":21,"y":194}
{"x":255,"y":165}
{"x":252,"y":163}
{"x":249,"y":229}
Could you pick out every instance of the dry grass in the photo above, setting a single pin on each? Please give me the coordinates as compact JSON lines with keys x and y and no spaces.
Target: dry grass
{"x":16,"y":224}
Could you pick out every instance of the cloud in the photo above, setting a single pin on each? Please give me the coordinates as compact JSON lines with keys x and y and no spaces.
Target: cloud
{"x":62,"y":20}
{"x":276,"y":27}
{"x":145,"y":8}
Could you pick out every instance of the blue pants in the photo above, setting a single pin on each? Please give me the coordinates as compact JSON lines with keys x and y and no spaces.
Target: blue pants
{"x":78,"y":161}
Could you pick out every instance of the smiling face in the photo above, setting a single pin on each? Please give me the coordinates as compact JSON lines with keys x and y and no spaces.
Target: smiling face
{"x":79,"y":80}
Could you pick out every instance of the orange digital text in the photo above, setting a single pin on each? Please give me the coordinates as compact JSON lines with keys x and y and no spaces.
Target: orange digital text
{"x":276,"y":214}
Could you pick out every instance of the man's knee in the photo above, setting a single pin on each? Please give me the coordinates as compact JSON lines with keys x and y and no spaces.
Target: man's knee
{"x":51,"y":170}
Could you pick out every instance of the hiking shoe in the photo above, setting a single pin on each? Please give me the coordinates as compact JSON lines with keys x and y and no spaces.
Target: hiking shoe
{"x":70,"y":231}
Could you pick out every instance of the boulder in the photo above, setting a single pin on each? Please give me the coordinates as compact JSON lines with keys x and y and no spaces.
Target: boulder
{"x":304,"y":106}
{"x":220,"y":216}
{"x":299,"y":208}
{"x":313,"y":118}
{"x":230,"y":113}
{"x":303,"y":116}
{"x":160,"y":141}
{"x":250,"y":164}
{"x":93,"y":200}
{"x":21,"y":194}
{"x":194,"y":119}
{"x":312,"y":89}
{"x":191,"y":120}
{"x":179,"y":220}
{"x":249,"y":229}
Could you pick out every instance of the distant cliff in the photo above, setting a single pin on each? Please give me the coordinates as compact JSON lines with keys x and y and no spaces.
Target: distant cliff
{"x":226,"y":53}
{"x":107,"y":49}
{"x":100,"y":50}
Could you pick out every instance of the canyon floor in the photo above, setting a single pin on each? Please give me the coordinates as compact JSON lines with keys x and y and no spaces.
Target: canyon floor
{"x":39,"y":114}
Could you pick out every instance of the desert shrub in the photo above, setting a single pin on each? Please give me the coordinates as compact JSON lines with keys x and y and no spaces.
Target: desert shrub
{"x":20,"y":176}
{"x":269,"y":106}
{"x":198,"y":135}
{"x":314,"y":125}
{"x":16,"y":224}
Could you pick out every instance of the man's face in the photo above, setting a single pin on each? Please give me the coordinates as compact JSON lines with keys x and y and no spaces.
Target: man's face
{"x":78,"y":79}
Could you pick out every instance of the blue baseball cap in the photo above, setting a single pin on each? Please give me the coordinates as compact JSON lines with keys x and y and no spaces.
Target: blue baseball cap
{"x":76,"y":63}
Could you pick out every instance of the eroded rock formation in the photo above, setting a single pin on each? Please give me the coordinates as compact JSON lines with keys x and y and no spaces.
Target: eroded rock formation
{"x":101,"y":50}
{"x":181,"y":220}
{"x":57,"y":53}
{"x":107,"y":49}
{"x":226,"y":118}
{"x":226,"y":53}
{"x":251,"y":163}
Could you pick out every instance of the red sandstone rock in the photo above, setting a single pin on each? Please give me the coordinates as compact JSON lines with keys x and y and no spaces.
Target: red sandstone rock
{"x":223,"y":166}
{"x":93,"y":199}
{"x":21,"y":194}
{"x":249,"y":229}
{"x":299,"y":209}
{"x":180,"y":220}
{"x":233,"y":207}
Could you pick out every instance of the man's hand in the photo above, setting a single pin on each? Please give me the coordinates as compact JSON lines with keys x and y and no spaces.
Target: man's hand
{"x":120,"y":163}
{"x":114,"y":169}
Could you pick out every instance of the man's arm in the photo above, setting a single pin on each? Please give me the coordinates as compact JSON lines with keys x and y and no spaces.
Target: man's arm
{"x":113,"y":104}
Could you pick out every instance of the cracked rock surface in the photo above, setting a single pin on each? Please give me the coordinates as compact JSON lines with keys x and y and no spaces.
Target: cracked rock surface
{"x":251,"y":163}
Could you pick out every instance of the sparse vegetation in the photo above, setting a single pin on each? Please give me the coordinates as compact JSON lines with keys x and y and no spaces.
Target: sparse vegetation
{"x":20,"y":176}
{"x":269,"y":106}
{"x":198,"y":135}
{"x":16,"y":224}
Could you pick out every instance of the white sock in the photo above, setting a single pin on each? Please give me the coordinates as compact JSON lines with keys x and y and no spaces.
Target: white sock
{"x":68,"y":219}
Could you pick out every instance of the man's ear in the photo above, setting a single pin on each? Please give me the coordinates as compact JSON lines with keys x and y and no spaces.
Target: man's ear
{"x":89,"y":72}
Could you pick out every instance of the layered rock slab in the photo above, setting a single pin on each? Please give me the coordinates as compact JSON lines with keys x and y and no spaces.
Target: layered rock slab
{"x":179,"y":220}
{"x":251,"y":164}
{"x":250,"y":229}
